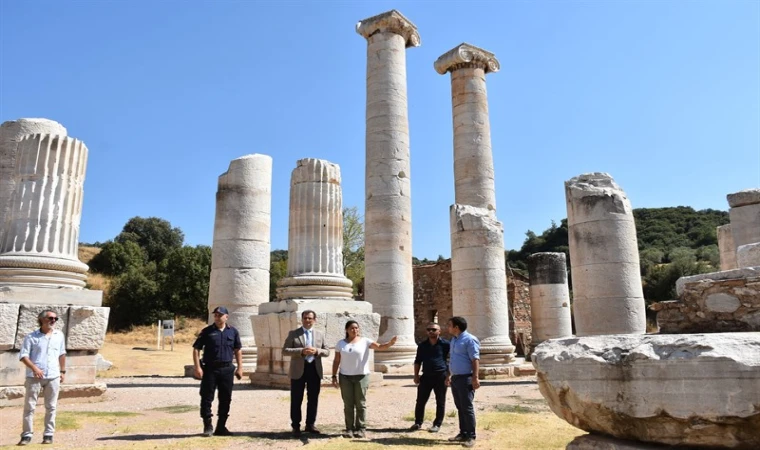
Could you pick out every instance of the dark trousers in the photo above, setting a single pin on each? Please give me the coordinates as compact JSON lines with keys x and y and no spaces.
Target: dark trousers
{"x":216,"y":378}
{"x":436,"y":382}
{"x":311,"y":381}
{"x":464,"y":394}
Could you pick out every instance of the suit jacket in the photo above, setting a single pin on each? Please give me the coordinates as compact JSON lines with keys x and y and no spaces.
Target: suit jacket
{"x":294,"y":345}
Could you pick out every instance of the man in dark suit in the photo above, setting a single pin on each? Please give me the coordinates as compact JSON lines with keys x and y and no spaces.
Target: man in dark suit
{"x":306,"y":348}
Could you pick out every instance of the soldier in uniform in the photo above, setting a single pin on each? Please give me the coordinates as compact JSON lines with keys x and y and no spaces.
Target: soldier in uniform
{"x":219,"y":343}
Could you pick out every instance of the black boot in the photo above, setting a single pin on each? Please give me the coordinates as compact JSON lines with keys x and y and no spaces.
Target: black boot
{"x":208,"y":428}
{"x":221,"y":427}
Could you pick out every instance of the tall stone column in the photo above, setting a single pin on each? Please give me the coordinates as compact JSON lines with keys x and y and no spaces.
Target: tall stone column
{"x":315,"y":234}
{"x":549,"y":297}
{"x":388,"y":283}
{"x":39,"y":247}
{"x":478,"y":272}
{"x":745,"y":216}
{"x":240,"y":253}
{"x":726,"y":248}
{"x":11,"y":133}
{"x":607,"y":292}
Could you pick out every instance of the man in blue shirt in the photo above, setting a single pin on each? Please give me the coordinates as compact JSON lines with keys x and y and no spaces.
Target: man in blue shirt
{"x":432,"y":356}
{"x":464,"y":366}
{"x":44,"y":355}
{"x":219,"y":343}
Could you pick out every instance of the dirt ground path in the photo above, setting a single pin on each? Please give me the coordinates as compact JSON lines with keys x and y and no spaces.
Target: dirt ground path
{"x":162,"y":412}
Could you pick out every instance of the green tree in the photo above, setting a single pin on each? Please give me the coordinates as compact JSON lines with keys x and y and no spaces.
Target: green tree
{"x":278,"y":269}
{"x":156,"y":236}
{"x":116,"y":258}
{"x":133,"y":299}
{"x":183,"y":278}
{"x":353,"y":246}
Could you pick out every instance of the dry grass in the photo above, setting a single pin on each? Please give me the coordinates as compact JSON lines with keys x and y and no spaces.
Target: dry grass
{"x":185,"y":333}
{"x":130,"y":361}
{"x":87,"y":253}
{"x":98,"y":282}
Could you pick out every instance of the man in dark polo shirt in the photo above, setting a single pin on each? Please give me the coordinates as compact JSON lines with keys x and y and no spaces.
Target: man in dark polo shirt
{"x":432,"y":356}
{"x":219,"y":343}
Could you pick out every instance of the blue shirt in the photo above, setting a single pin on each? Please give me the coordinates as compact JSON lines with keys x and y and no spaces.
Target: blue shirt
{"x":308,"y":336}
{"x":432,"y":357}
{"x":43,"y":350}
{"x":464,"y":349}
{"x":218,"y":345}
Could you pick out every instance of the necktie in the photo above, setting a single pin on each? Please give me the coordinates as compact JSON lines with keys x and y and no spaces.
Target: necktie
{"x":309,"y":343}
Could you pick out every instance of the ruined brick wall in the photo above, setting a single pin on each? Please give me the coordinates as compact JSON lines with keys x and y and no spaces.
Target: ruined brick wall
{"x":518,"y":292}
{"x":433,"y":299}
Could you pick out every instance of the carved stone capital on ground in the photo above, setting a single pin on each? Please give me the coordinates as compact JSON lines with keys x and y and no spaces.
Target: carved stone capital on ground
{"x":390,"y":21}
{"x":466,"y":55}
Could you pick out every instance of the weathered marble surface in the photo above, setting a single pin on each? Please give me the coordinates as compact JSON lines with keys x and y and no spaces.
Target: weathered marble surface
{"x":315,"y":234}
{"x":692,"y":390}
{"x":607,"y":294}
{"x":27,"y":320}
{"x":727,"y":248}
{"x":388,"y":281}
{"x":240,"y":252}
{"x":596,"y":442}
{"x":87,"y":327}
{"x":8,"y":324}
{"x":744,"y":212}
{"x":549,"y":297}
{"x":748,"y":255}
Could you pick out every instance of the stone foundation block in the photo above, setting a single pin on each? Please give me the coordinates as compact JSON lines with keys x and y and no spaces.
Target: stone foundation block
{"x":595,"y":442}
{"x":87,"y":327}
{"x":50,"y":296}
{"x":8,"y":324}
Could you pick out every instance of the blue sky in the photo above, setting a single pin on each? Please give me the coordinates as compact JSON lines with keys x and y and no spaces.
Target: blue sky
{"x":663,"y":95}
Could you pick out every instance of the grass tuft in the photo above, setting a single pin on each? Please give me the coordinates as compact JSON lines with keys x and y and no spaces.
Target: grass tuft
{"x":176,"y":409}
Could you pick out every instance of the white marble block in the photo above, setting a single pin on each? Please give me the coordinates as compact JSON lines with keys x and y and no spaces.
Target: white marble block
{"x":388,"y":281}
{"x":87,"y":327}
{"x":8,"y":324}
{"x":744,"y":212}
{"x":607,"y":292}
{"x":726,"y":248}
{"x":549,"y":297}
{"x":240,"y":253}
{"x":28,"y":322}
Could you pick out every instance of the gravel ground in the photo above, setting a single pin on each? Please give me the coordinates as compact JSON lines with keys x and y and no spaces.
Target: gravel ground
{"x":259,"y":416}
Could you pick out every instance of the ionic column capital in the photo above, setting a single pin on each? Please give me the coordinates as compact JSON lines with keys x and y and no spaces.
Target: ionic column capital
{"x":465,"y":55}
{"x":390,"y":21}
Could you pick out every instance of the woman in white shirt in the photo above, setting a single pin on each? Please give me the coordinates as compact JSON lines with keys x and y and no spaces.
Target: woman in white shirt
{"x":352,"y":357}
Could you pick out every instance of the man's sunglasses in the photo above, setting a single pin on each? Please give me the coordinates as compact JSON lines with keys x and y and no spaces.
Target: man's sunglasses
{"x":52,"y":319}
{"x":433,"y":329}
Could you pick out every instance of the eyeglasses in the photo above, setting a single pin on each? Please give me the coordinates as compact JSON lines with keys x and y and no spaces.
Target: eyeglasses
{"x":52,"y":319}
{"x":432,"y":329}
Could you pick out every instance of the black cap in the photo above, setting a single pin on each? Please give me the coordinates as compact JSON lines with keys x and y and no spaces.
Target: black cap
{"x":220,"y":310}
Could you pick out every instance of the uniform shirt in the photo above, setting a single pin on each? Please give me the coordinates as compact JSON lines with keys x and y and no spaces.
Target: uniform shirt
{"x":464,"y":349}
{"x":43,"y":350}
{"x":432,"y":357}
{"x":218,"y":345}
{"x":354,"y":358}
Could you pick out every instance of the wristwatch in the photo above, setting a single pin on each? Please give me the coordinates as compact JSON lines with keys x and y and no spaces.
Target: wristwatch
{"x":63,"y":371}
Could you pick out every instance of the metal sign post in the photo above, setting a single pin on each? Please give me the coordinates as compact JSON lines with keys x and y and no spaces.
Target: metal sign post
{"x":168,"y":327}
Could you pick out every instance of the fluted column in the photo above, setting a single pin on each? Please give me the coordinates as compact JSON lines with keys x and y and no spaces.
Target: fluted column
{"x":240,"y":253}
{"x":549,"y":297}
{"x":388,"y":281}
{"x":478,"y":271}
{"x":41,"y":237}
{"x":607,"y":292}
{"x":11,"y":133}
{"x":315,"y":234}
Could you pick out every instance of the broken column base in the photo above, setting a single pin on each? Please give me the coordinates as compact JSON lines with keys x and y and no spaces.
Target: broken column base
{"x":276,"y":319}
{"x":13,"y":395}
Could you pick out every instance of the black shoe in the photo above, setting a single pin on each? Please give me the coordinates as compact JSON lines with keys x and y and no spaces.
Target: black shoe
{"x":208,"y":428}
{"x":359,"y":434}
{"x":458,"y":438}
{"x":25,"y":440}
{"x":47,"y":439}
{"x":222,"y":431}
{"x":312,"y":429}
{"x":297,"y":431}
{"x":415,"y":427}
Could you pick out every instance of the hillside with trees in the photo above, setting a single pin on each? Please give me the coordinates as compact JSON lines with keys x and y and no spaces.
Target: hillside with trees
{"x":673,"y":242}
